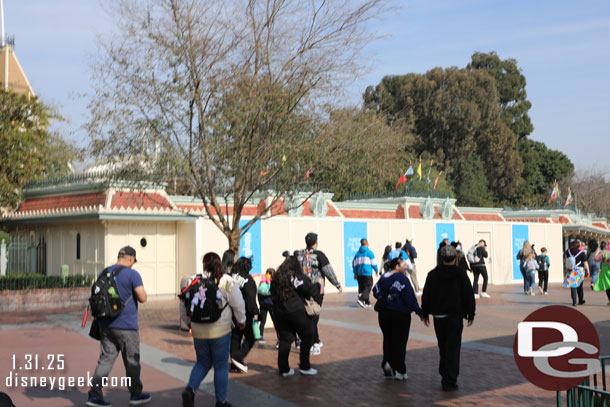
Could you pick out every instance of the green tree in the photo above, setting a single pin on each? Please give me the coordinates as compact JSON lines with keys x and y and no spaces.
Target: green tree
{"x":455,"y":117}
{"x":512,"y":96}
{"x":28,"y":150}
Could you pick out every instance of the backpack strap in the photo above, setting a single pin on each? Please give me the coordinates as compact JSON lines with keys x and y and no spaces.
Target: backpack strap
{"x":115,"y":274}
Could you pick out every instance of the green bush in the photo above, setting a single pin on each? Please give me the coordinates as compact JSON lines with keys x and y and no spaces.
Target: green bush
{"x":35,"y":281}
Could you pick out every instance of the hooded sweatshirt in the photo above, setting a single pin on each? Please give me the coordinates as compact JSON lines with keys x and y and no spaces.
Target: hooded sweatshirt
{"x":398,"y":293}
{"x":364,"y":262}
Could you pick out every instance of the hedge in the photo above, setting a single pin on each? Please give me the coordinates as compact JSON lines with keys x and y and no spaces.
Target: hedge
{"x":37,"y":281}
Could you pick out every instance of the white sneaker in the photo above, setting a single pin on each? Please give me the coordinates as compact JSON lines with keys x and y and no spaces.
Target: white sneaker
{"x":387,"y":370}
{"x":477,"y":296}
{"x":319,"y":344}
{"x":309,"y":372}
{"x":315,"y":350}
{"x":485,"y":295}
{"x":399,"y":376}
{"x":533,"y":293}
{"x":239,"y":365}
{"x":540,"y":289}
{"x":288,"y":373}
{"x":361,"y":303}
{"x":545,"y":293}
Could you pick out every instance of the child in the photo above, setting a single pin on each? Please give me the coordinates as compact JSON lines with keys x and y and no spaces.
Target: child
{"x":543,"y":271}
{"x":264,"y":300}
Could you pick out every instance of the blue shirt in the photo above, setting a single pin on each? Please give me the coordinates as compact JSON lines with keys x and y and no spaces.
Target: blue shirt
{"x":126,"y":282}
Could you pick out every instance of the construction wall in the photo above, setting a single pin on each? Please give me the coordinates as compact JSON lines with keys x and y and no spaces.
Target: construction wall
{"x":339,"y":237}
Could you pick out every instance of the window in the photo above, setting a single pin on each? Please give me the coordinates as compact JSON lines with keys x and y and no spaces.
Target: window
{"x":78,"y":246}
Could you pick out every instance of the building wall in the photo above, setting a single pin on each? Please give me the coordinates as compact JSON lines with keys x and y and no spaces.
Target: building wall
{"x":156,"y":261}
{"x":287,"y":233}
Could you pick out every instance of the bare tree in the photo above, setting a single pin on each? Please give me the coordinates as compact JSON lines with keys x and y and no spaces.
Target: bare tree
{"x":229,"y":92}
{"x":592,"y":191}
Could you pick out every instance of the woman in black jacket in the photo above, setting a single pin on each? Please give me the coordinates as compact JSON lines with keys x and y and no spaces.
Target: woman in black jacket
{"x":240,"y":349}
{"x":289,"y":288}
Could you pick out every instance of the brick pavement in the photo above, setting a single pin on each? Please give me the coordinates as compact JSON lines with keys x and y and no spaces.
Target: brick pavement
{"x":349,"y":364}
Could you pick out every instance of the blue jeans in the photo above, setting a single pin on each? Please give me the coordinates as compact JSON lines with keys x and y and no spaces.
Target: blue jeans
{"x":212,"y":352}
{"x":530,"y":279}
{"x":594,"y":269}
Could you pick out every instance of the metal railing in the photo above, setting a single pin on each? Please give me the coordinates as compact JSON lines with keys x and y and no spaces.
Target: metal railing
{"x":27,"y":257}
{"x":586,"y":395}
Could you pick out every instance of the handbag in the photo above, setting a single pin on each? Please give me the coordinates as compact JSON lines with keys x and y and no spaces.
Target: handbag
{"x":574,"y":278}
{"x":94,"y":331}
{"x":312,"y":308}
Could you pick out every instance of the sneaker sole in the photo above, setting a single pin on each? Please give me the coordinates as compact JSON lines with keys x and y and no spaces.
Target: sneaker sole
{"x":91,"y":404}
{"x":138,"y":402}
{"x":240,"y":366}
{"x":306,"y":373}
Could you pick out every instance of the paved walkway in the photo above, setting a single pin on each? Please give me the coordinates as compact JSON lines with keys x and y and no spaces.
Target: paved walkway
{"x":349,"y":363}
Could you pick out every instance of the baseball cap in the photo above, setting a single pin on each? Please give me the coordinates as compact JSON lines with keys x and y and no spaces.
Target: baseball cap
{"x":128,"y":251}
{"x":311,"y":239}
{"x":448,"y":252}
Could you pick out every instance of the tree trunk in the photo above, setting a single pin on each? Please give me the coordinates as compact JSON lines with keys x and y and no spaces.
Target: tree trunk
{"x":234,"y":238}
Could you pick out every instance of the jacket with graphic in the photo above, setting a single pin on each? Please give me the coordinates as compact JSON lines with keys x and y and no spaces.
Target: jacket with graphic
{"x":364,"y":262}
{"x":395,"y":290}
{"x":320,"y":267}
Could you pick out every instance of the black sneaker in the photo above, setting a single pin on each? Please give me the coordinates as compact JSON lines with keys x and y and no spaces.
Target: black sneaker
{"x":581,"y":302}
{"x":139,"y":399}
{"x":225,"y":404}
{"x":188,"y":397}
{"x":450,"y":387}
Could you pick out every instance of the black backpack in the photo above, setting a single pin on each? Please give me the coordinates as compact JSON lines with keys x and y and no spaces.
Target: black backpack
{"x":202,"y":300}
{"x":105,"y":301}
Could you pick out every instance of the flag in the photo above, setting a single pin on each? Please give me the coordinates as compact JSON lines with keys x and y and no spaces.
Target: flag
{"x":569,"y":198}
{"x":307,"y":174}
{"x":429,"y":169}
{"x":553,"y":194}
{"x":436,"y":180}
{"x":419,"y":168}
{"x":557,"y":187}
{"x":403,"y":177}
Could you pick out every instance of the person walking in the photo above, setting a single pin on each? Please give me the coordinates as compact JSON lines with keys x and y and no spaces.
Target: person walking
{"x":316,"y":266}
{"x":384,"y":259}
{"x":212,"y":341}
{"x":121,"y":333}
{"x":603,"y":280}
{"x":442,"y":244}
{"x":530,"y":265}
{"x":289,"y":288}
{"x":460,"y":258}
{"x":448,"y":297}
{"x":363,"y":266}
{"x":479,"y":269}
{"x":395,"y":302}
{"x":242,"y":339}
{"x":593,"y":259}
{"x":544,"y":263}
{"x":410,"y":249}
{"x":577,"y":269}
{"x":265,"y":301}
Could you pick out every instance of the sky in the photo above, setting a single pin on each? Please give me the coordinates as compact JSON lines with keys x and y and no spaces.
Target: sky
{"x":562,"y":47}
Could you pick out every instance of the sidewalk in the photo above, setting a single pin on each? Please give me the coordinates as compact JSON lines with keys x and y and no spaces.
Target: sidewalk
{"x":349,"y":365}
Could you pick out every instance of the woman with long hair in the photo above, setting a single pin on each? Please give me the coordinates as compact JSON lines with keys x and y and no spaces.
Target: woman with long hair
{"x":212,"y":340}
{"x":228,"y":259}
{"x":384,"y":259}
{"x":395,"y":302}
{"x":289,"y":288}
{"x":240,"y":348}
{"x":523,"y":253}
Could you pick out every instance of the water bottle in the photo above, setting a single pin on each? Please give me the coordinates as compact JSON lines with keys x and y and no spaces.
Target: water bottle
{"x":256,"y":329}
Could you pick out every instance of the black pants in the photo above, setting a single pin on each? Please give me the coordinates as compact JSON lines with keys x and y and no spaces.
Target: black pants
{"x":395,"y":327}
{"x":608,"y":294}
{"x":264,"y":309}
{"x":365,"y":283}
{"x":577,"y":291}
{"x":449,"y":335}
{"x":287,"y":324}
{"x":239,"y":348}
{"x":479,"y":271}
{"x":315,"y":319}
{"x":543,"y":279}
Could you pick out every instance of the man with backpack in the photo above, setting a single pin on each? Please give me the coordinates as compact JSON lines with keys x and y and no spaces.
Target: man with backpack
{"x":476,"y":257}
{"x":315,"y":264}
{"x":121,"y":332}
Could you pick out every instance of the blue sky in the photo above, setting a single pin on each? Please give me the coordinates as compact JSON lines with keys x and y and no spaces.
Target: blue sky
{"x":563,"y":48}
